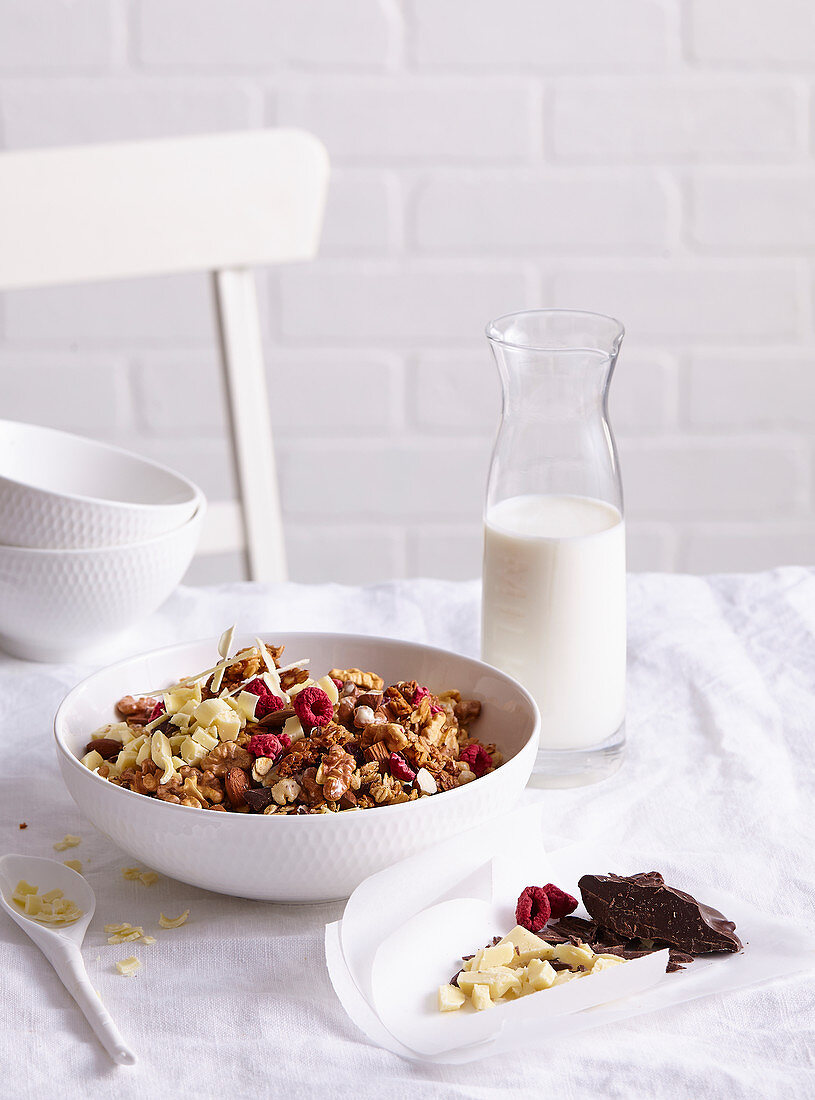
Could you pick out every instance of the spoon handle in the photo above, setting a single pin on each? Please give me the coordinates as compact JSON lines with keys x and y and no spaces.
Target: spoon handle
{"x":67,"y":960}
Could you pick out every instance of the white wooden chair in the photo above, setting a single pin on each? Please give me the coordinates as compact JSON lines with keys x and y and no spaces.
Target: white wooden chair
{"x":221,"y":203}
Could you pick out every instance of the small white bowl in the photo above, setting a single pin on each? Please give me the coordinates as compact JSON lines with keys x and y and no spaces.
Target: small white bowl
{"x":296,"y":858}
{"x":62,"y":491}
{"x":61,"y":605}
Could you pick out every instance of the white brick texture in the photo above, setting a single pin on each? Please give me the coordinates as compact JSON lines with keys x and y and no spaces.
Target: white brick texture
{"x":652,"y":159}
{"x":689,"y":301}
{"x":52,"y":34}
{"x":540,"y":34}
{"x":76,"y":112}
{"x":436,"y":119}
{"x":500,"y":212}
{"x":765,"y":211}
{"x":781,"y":32}
{"x":405,"y":304}
{"x":742,"y":389}
{"x":649,"y":121}
{"x":263,"y":33}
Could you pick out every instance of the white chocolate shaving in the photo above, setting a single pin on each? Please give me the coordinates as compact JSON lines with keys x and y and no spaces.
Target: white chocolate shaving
{"x":173,"y":922}
{"x":67,"y":841}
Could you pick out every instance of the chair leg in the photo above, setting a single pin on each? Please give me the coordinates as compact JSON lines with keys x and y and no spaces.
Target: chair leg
{"x":238,"y":323}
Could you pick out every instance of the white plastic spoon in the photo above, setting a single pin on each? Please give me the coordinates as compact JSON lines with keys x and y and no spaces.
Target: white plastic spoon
{"x":61,"y":944}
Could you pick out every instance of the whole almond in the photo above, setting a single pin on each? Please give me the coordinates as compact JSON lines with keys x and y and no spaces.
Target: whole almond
{"x":105,"y":746}
{"x":236,"y":784}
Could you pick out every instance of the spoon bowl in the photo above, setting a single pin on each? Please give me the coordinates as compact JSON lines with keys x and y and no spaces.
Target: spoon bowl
{"x":61,"y":943}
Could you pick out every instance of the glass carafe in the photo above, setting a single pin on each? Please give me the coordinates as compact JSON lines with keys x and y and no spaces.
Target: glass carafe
{"x":553,"y":611}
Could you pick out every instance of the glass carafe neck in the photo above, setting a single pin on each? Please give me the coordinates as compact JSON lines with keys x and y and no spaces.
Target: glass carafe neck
{"x":555,"y":438}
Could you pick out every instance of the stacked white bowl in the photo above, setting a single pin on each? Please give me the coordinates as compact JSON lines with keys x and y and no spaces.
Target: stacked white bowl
{"x":92,"y":539}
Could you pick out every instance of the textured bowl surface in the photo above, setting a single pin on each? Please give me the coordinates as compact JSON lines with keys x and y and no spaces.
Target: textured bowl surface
{"x":310,"y":857}
{"x":56,"y":604}
{"x":62,"y":491}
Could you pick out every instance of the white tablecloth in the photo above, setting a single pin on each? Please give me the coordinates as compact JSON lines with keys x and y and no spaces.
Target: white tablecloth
{"x":719,"y":773}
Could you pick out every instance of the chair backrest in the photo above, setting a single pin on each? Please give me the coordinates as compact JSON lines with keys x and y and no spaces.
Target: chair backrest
{"x":222,"y":203}
{"x":155,"y":207}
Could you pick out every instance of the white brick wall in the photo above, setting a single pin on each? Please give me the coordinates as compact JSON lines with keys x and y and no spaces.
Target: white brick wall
{"x":650,"y":158}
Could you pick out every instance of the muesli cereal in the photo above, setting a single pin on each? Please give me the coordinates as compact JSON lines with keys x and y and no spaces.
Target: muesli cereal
{"x":254,"y":735}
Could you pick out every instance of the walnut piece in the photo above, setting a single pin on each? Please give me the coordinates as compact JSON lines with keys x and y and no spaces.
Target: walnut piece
{"x":356,"y":676}
{"x":338,"y":766}
{"x":136,"y":711}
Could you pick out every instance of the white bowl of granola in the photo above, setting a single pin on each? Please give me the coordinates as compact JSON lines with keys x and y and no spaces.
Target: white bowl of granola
{"x":310,"y":838}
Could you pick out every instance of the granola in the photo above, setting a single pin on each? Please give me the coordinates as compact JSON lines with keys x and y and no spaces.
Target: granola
{"x":253,"y":735}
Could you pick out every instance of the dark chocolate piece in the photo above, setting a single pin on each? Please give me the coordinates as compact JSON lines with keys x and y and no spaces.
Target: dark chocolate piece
{"x":575,"y":928}
{"x":643,"y":907}
{"x":258,"y":798}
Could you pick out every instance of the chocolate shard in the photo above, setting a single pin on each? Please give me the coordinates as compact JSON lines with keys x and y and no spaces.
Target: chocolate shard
{"x":573,"y":929}
{"x":643,"y":907}
{"x":258,"y":798}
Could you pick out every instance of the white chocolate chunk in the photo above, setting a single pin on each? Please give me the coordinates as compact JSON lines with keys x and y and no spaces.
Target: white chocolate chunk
{"x":245,"y":705}
{"x":501,"y":954}
{"x":574,"y":956}
{"x":563,"y":976}
{"x":481,"y":997}
{"x":540,"y":974}
{"x":293,"y":729}
{"x":191,"y":752}
{"x":450,"y":998}
{"x":498,"y":980}
{"x":330,"y":688}
{"x":529,"y":946}
{"x":606,"y":962}
{"x":206,"y":738}
{"x":128,"y":967}
{"x":93,"y":759}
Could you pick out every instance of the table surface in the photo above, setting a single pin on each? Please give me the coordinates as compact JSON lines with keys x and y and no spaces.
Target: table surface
{"x":719,"y":774}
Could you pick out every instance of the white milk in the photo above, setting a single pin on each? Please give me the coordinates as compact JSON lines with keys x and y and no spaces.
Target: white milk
{"x":554,"y":611}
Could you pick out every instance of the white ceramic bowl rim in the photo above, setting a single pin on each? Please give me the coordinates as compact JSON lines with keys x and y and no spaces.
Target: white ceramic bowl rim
{"x":119,"y":548}
{"x":193,"y":492}
{"x":172,"y":807}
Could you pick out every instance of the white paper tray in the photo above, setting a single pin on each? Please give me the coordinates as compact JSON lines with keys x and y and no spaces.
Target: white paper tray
{"x":404,"y":929}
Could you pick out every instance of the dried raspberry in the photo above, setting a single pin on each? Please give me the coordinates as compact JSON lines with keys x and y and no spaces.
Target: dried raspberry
{"x":267,"y":702}
{"x":284,"y":740}
{"x":337,"y":683}
{"x":419,"y":694}
{"x":157,"y":710}
{"x":313,"y":707}
{"x":435,"y":708}
{"x":560,"y":902}
{"x":533,"y":909}
{"x":265,"y":744}
{"x":399,"y":768}
{"x":478,"y":759}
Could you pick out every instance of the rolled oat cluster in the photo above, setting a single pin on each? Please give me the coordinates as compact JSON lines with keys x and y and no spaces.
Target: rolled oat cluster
{"x":253,"y":736}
